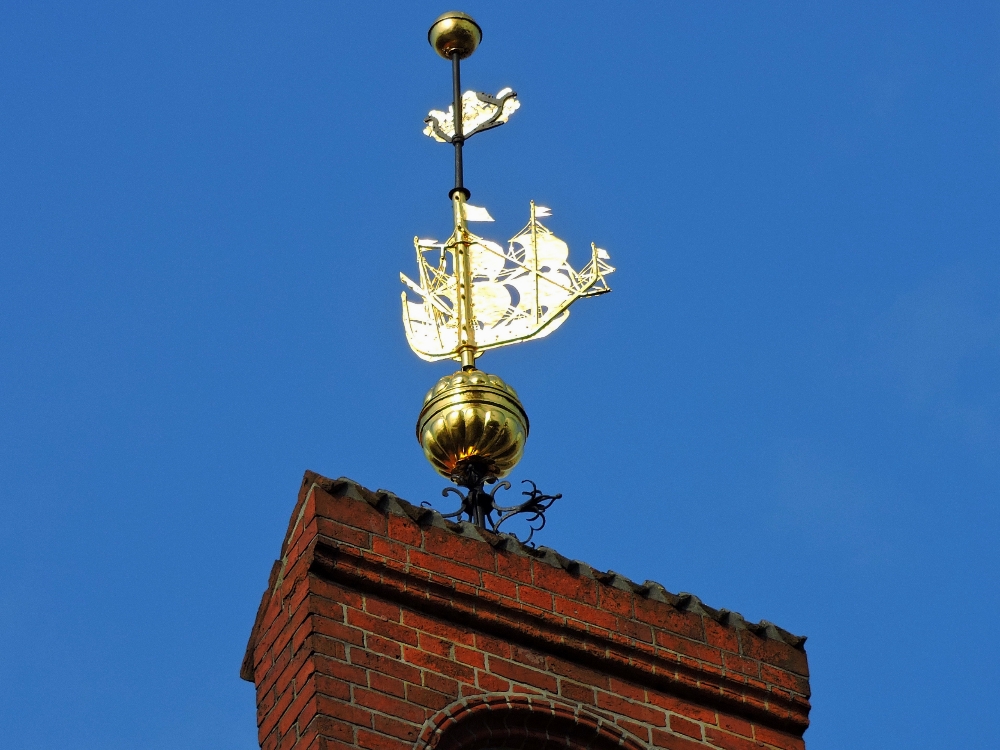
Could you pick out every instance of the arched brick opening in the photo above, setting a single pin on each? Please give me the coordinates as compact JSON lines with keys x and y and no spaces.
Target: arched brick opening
{"x":521,"y":722}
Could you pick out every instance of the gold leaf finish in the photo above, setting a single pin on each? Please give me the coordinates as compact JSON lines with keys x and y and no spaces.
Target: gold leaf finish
{"x":510,"y":295}
{"x":455,"y":31}
{"x":472,"y":417}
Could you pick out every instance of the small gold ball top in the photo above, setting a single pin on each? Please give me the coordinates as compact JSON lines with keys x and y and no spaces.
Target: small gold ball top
{"x":455,"y":31}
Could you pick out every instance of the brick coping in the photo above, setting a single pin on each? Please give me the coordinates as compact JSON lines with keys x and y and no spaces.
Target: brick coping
{"x":387,"y":502}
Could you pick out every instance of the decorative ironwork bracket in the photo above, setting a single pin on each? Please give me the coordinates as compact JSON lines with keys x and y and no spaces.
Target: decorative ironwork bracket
{"x":480,"y":506}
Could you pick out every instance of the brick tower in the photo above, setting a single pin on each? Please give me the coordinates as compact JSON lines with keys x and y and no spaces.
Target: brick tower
{"x":386,"y":627}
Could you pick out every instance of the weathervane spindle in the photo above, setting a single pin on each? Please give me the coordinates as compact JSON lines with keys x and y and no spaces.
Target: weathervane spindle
{"x":474,"y":296}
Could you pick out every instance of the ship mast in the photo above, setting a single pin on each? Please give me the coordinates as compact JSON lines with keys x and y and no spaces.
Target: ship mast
{"x":534,"y":261}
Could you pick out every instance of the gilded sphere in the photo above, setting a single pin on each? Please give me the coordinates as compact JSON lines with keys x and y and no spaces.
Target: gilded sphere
{"x":472,"y":419}
{"x":455,"y":31}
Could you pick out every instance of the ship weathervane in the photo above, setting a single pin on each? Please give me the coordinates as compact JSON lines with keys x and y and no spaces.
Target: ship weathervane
{"x":519,"y":293}
{"x":472,"y":295}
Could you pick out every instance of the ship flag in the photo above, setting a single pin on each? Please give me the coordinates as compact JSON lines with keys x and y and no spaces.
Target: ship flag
{"x":476,"y":213}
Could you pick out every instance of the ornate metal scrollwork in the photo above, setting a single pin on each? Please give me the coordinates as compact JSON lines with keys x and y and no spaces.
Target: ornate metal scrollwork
{"x":482,"y":509}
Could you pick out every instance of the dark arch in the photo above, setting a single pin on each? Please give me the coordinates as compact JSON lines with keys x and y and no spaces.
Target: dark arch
{"x":506,"y":721}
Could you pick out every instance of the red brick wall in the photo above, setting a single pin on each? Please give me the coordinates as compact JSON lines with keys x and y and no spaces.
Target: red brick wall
{"x":383,"y":626}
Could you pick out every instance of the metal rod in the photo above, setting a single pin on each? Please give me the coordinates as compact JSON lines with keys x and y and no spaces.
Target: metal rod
{"x":534,"y":260}
{"x":459,"y":139}
{"x":479,"y":519}
{"x":466,"y":327}
{"x":463,"y":277}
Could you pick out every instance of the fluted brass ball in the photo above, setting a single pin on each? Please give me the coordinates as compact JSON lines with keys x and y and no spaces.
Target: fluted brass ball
{"x":472,"y":418}
{"x":455,"y":31}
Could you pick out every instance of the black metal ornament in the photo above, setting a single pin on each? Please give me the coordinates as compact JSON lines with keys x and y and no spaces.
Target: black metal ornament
{"x":480,"y":505}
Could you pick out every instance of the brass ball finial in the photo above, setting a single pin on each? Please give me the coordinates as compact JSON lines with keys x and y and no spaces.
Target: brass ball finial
{"x":455,"y":31}
{"x":472,"y":423}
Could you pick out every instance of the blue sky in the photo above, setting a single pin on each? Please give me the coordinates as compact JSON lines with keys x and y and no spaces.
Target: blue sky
{"x":788,"y":406}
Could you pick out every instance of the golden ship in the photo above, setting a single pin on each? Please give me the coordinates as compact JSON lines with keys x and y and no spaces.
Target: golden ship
{"x":517,"y":293}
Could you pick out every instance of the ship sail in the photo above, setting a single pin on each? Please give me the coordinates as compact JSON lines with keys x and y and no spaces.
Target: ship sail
{"x":519,"y":293}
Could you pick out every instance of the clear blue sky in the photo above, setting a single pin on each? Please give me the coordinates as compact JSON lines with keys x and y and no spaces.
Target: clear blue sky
{"x":788,"y":406}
